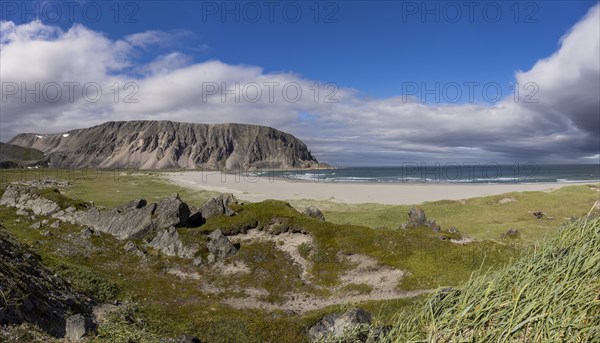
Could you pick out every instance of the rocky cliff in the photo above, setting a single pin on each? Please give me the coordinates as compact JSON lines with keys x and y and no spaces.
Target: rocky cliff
{"x":166,"y":144}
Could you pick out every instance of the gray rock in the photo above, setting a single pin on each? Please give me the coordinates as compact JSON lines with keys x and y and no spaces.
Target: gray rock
{"x":183,"y":339}
{"x":218,"y":205}
{"x":195,"y":219}
{"x":219,"y":246}
{"x":130,"y":247}
{"x":46,"y":233}
{"x":313,"y":211}
{"x":453,"y":229}
{"x":22,"y":212}
{"x":169,"y":243}
{"x":136,"y":218}
{"x":171,"y":212}
{"x":70,"y":209}
{"x":197,"y":261}
{"x":87,"y":233}
{"x":75,"y":328}
{"x":416,"y":217}
{"x":338,"y":325}
{"x":24,"y":198}
{"x":511,"y":233}
{"x":55,"y":225}
{"x":35,"y":226}
{"x":125,"y":222}
{"x":45,"y":222}
{"x":433,"y":225}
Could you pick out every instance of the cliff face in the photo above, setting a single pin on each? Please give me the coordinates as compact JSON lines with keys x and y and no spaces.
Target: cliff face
{"x":166,"y":144}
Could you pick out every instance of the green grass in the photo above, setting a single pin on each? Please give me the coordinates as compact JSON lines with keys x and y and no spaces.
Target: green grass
{"x":171,"y":306}
{"x":482,"y":218}
{"x":549,"y":295}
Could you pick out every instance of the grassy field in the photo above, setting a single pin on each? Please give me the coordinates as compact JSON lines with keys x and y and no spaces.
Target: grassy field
{"x":549,"y":295}
{"x":170,"y":306}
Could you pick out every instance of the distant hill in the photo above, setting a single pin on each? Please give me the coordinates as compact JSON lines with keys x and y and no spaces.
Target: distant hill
{"x":14,"y":156}
{"x":167,"y":144}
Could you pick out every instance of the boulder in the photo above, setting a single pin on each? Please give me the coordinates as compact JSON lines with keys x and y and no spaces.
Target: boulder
{"x":314,"y":212}
{"x":171,"y":212}
{"x":218,"y":205}
{"x":219,"y":246}
{"x":416,"y":217}
{"x":55,"y":225}
{"x":36,"y":225}
{"x":88,"y":232}
{"x":169,"y":243}
{"x":75,"y":328}
{"x":136,"y":218}
{"x":130,"y":221}
{"x":338,"y":325}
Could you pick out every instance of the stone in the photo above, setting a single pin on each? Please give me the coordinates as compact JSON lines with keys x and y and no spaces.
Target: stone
{"x":46,"y":233}
{"x":87,"y":233}
{"x":75,"y":328}
{"x":169,"y":243}
{"x":22,"y":212}
{"x":337,"y":325}
{"x":45,"y":222}
{"x":36,"y":225}
{"x":314,"y":212}
{"x":416,"y":217}
{"x":218,"y":205}
{"x":125,"y":222}
{"x":511,"y":233}
{"x":219,"y":246}
{"x":195,"y":219}
{"x":453,"y":229}
{"x":433,"y":225}
{"x":130,"y":247}
{"x":55,"y":225}
{"x":24,"y":198}
{"x":197,"y":261}
{"x":171,"y":212}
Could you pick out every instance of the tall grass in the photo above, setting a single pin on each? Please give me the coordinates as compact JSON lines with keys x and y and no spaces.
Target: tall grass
{"x":552,"y":294}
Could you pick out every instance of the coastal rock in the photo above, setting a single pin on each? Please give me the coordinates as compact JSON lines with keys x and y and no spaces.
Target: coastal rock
{"x":219,"y":246}
{"x":314,"y":212}
{"x":131,"y":221}
{"x":338,"y":325}
{"x":195,"y":219}
{"x":167,"y":144}
{"x":87,"y":233}
{"x":169,"y":243}
{"x":218,"y":205}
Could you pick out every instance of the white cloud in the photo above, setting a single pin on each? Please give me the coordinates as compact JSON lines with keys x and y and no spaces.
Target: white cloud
{"x":562,"y":126}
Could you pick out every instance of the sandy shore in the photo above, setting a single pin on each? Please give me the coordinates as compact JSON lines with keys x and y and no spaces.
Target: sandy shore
{"x":258,"y":189}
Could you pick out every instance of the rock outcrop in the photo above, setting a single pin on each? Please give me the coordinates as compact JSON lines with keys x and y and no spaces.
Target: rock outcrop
{"x":136,"y":218}
{"x":24,"y":198}
{"x":31,"y":293}
{"x":169,"y":243}
{"x":219,"y":246}
{"x":339,"y":325}
{"x":218,"y":205}
{"x":167,"y":144}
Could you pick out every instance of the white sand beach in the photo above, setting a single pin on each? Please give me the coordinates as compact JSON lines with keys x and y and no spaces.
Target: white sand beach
{"x":257,"y":189}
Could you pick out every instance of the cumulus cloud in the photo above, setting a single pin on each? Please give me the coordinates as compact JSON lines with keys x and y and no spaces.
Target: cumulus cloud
{"x":340,"y":125}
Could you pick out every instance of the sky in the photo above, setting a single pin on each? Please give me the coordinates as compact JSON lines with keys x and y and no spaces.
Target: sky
{"x":360,"y":82}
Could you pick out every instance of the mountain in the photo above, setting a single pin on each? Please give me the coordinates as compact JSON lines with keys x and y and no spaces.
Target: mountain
{"x":167,"y":144}
{"x":13,"y":156}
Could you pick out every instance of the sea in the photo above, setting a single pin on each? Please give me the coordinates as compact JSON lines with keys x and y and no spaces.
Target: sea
{"x":447,"y":173}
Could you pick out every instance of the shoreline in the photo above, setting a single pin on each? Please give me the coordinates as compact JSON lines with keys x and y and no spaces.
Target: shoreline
{"x":257,"y":188}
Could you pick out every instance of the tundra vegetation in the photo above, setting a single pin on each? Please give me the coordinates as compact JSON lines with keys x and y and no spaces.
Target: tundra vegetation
{"x":466,"y":279}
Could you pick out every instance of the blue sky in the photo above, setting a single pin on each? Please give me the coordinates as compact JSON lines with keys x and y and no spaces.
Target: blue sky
{"x":373,"y":51}
{"x":373,"y":46}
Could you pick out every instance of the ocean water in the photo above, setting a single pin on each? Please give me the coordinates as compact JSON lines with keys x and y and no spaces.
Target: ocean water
{"x":448,"y":173}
